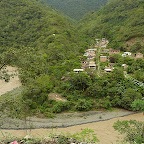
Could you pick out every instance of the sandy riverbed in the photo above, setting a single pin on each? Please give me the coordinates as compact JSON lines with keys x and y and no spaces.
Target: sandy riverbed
{"x":104,"y":129}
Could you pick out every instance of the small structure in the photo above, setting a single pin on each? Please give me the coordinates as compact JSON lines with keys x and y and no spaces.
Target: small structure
{"x":92,"y":65}
{"x":105,"y":51}
{"x":103,"y":58}
{"x":127,"y":53}
{"x":138,"y":55}
{"x":103,"y":46}
{"x":84,"y":64}
{"x":78,"y":70}
{"x":113,"y":51}
{"x":111,"y":65}
{"x":124,"y":55}
{"x":108,"y":69}
{"x":91,"y":50}
{"x":124,"y":66}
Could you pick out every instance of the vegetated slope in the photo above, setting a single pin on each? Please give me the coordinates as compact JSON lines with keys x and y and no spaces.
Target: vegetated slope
{"x":119,"y":21}
{"x":39,"y":36}
{"x":76,"y":9}
{"x":46,"y":48}
{"x":42,"y":43}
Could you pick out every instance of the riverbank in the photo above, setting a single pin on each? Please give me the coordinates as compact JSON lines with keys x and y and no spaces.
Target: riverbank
{"x":62,"y":120}
{"x":103,"y":129}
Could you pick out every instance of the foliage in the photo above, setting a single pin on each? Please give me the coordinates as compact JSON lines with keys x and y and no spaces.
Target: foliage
{"x":128,"y":97}
{"x":85,"y":136}
{"x":84,"y":105}
{"x":61,"y":106}
{"x":133,"y":131}
{"x":76,"y":9}
{"x":138,"y":105}
{"x":119,"y":21}
{"x":46,"y":47}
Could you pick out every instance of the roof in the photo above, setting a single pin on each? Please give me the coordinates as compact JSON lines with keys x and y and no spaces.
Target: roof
{"x":78,"y":70}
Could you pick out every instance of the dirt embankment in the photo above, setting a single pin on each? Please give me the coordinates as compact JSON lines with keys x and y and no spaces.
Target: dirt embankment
{"x":12,"y":84}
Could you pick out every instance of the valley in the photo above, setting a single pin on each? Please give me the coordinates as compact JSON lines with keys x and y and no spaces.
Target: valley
{"x":72,"y":71}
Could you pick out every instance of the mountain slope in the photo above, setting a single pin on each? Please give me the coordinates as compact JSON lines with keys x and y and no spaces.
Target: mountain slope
{"x":29,"y":23}
{"x":119,"y":21}
{"x":39,"y":39}
{"x":76,"y":9}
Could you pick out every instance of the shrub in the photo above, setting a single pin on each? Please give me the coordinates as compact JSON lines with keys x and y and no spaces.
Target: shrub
{"x":83,"y":105}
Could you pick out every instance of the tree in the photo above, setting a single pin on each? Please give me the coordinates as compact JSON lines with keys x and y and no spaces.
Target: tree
{"x":138,"y":105}
{"x":128,"y":97}
{"x":80,"y":81}
{"x":133,"y":130}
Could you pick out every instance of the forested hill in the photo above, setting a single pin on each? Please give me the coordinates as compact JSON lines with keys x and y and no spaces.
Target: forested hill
{"x":121,"y":21}
{"x":76,"y":9}
{"x":28,"y":23}
{"x":42,"y":41}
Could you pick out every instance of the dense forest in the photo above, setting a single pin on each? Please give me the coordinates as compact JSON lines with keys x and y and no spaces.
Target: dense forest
{"x":46,"y":46}
{"x":76,"y":9}
{"x":122,"y":22}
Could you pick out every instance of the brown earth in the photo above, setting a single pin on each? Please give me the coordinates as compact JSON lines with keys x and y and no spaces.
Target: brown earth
{"x":12,"y":84}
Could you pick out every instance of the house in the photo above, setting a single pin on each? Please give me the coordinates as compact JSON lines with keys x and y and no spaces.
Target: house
{"x":105,"y":51}
{"x":126,"y":54}
{"x":78,"y":70}
{"x":92,"y":65}
{"x":103,"y":58}
{"x":113,"y":51}
{"x":138,"y":55}
{"x":124,"y":66}
{"x":108,"y":69}
{"x":91,"y":50}
{"x":84,"y":64}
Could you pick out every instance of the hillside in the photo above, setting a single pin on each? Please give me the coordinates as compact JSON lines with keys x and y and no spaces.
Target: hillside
{"x":44,"y":46}
{"x":53,"y":57}
{"x":37,"y":37}
{"x":122,"y":22}
{"x":76,"y":9}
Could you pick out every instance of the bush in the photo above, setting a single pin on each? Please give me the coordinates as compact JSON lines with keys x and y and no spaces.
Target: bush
{"x":83,"y":105}
{"x":61,"y":106}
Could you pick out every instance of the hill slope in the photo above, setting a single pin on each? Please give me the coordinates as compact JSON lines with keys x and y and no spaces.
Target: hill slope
{"x":40,"y":40}
{"x":76,"y":9}
{"x":119,"y":21}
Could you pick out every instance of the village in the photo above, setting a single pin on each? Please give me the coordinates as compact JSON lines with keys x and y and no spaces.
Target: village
{"x":99,"y":54}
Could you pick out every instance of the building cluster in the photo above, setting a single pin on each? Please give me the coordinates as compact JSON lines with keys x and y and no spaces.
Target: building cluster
{"x":104,"y":53}
{"x":89,"y":63}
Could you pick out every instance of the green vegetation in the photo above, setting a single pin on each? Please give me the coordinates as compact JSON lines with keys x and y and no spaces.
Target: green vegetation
{"x":119,"y":21}
{"x":76,"y":9}
{"x":46,"y":47}
{"x":133,"y":130}
{"x":85,"y":136}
